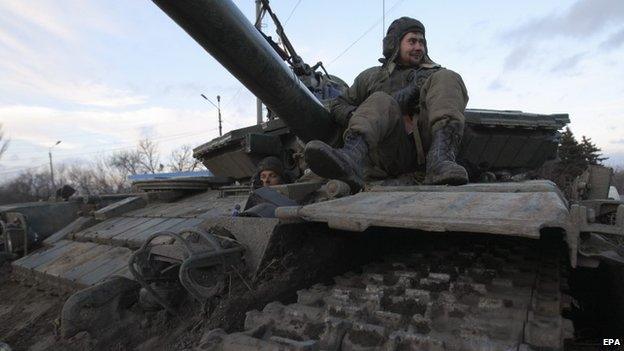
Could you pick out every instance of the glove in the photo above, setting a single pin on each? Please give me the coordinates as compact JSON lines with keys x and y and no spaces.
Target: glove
{"x":256,"y":182}
{"x":407,"y":98}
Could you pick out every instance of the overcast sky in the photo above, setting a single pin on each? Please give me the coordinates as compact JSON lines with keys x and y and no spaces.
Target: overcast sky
{"x":100,"y":75}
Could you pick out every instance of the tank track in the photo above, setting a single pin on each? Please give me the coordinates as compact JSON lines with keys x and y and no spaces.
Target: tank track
{"x":492,"y":295}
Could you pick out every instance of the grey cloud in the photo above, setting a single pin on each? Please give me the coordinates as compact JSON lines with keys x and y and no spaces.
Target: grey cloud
{"x":497,"y":85}
{"x":584,"y":18}
{"x":618,"y":141}
{"x":568,"y":64}
{"x":517,"y":56}
{"x":614,"y":41}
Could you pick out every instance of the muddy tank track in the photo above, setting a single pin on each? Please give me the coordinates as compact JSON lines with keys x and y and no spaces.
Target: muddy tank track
{"x":470,"y":296}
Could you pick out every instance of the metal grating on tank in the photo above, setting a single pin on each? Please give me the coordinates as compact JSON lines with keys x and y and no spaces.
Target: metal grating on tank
{"x":132,"y":228}
{"x":69,"y":265}
{"x":90,"y":255}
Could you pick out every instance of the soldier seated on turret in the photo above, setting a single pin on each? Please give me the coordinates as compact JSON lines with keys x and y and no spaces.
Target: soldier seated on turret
{"x":404,"y":116}
{"x":270,"y":172}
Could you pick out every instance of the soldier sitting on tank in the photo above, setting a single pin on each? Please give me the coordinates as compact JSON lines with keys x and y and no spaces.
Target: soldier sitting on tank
{"x":270,"y":172}
{"x":403,"y":116}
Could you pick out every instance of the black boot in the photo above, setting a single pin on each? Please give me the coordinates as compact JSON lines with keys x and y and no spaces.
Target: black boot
{"x":346,"y":164}
{"x":441,"y":166}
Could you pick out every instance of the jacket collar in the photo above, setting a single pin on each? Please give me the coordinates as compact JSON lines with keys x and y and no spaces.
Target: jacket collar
{"x":392,"y":65}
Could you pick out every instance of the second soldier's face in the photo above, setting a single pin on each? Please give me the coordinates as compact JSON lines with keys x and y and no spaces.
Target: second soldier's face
{"x":269,"y":178}
{"x":412,"y":50}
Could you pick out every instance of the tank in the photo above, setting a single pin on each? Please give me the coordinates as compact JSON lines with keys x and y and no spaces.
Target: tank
{"x":25,"y":226}
{"x":213,"y":263}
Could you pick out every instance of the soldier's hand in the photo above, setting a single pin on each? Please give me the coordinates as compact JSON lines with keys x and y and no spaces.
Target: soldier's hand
{"x":407,"y":98}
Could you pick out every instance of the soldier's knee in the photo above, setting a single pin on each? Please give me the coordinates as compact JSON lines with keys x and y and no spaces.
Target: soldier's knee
{"x":382,"y":101}
{"x":447,"y":80}
{"x":380,"y":96}
{"x":446,"y":76}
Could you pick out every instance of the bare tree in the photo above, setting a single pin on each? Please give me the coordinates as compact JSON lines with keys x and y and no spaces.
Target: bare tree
{"x":18,"y":190}
{"x":109,"y":179}
{"x":81,"y":178}
{"x":182,"y":160}
{"x":98,"y":177}
{"x":128,"y":162}
{"x":150,"y":159}
{"x":4,"y":143}
{"x":30,"y":185}
{"x":145,"y":159}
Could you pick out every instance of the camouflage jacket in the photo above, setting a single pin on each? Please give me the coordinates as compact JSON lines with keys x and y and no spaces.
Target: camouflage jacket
{"x":388,"y":78}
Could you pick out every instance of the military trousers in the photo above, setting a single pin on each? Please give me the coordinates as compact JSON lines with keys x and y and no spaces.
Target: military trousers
{"x":443,"y":99}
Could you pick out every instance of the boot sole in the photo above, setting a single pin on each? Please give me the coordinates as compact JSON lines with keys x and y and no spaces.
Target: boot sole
{"x":319,"y":158}
{"x":449,"y":180}
{"x":455,"y":178}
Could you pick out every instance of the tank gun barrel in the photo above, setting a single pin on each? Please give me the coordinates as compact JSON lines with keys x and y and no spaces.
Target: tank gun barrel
{"x":222,"y":30}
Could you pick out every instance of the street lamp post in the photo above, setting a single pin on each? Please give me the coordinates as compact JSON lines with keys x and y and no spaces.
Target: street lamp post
{"x":52,"y":167}
{"x":218,"y":106}
{"x":219,"y":109}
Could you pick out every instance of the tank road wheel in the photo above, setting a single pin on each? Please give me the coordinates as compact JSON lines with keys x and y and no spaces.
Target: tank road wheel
{"x":503,"y":296}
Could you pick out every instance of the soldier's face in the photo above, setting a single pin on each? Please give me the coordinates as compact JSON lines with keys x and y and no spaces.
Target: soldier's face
{"x":269,"y":178}
{"x":412,"y":49}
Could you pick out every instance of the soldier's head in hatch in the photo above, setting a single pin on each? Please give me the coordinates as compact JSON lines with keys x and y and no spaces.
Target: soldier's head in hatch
{"x":271,"y":171}
{"x":405,"y":42}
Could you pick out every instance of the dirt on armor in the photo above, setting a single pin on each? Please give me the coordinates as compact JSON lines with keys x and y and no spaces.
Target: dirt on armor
{"x":332,"y":292}
{"x":301,"y":259}
{"x":457,"y":295}
{"x":30,"y":319}
{"x":28,"y":315}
